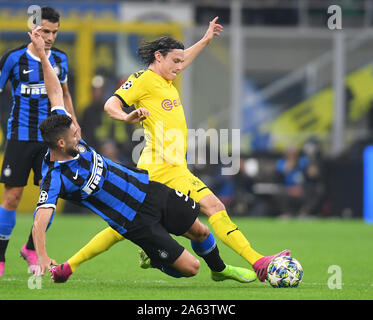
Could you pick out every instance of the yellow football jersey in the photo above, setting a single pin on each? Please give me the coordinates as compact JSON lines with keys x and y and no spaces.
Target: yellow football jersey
{"x":165,"y":129}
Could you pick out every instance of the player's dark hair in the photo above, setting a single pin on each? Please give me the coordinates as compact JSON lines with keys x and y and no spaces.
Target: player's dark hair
{"x":54,"y":128}
{"x":164,"y":45}
{"x":50,"y":14}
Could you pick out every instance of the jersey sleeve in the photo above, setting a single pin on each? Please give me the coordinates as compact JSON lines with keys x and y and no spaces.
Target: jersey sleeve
{"x":6,"y":65}
{"x":132,"y":91}
{"x":64,"y":69}
{"x":49,"y":190}
{"x":59,"y":110}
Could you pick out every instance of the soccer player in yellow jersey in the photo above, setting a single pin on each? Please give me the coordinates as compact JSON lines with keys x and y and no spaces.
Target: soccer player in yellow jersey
{"x":160,"y":109}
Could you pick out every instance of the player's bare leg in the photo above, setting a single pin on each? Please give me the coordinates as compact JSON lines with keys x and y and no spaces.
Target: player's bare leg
{"x":186,"y":264}
{"x":28,"y":251}
{"x":12,"y":197}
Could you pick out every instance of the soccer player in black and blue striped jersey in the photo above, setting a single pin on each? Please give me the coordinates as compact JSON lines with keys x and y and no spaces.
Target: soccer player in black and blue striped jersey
{"x":30,"y":106}
{"x":142,"y":211}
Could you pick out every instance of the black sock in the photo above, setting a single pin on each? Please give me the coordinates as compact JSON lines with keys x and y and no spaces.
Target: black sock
{"x":213,"y":260}
{"x":3,"y":246}
{"x":30,"y":242}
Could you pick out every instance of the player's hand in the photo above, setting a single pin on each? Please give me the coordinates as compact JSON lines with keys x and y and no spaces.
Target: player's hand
{"x":44,"y":264}
{"x":137,"y":116}
{"x":37,"y":41}
{"x":214,"y":30}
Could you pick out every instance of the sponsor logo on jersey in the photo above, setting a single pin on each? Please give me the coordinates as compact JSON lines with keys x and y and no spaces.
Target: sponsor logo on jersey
{"x":168,"y":104}
{"x":94,"y":180}
{"x":30,"y":89}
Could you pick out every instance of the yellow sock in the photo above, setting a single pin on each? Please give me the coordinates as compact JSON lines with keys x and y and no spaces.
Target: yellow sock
{"x":229,"y":233}
{"x":98,"y":244}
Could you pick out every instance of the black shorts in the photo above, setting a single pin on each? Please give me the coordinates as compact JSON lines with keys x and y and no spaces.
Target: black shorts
{"x":163,"y":211}
{"x":19,"y":158}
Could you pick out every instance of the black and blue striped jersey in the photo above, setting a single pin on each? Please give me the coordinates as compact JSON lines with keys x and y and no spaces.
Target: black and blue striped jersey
{"x":30,"y":105}
{"x":111,"y":190}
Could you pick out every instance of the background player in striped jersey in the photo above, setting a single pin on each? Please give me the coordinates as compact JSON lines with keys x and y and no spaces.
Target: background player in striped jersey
{"x":138,"y":209}
{"x":21,"y":66}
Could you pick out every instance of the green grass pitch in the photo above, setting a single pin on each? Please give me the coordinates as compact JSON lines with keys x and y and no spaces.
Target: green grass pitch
{"x":317,"y":244}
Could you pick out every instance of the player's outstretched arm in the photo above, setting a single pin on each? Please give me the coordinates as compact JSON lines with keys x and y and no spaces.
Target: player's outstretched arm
{"x":68,"y":103}
{"x":213,"y":30}
{"x":41,"y":220}
{"x":52,"y":84}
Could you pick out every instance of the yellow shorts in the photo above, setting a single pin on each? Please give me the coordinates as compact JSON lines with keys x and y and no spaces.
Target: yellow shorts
{"x":179,"y":178}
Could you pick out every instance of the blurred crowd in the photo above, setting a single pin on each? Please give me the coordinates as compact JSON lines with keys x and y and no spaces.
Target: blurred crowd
{"x":270,"y":184}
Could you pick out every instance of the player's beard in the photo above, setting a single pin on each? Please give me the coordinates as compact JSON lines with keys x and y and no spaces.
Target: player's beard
{"x":72,"y":152}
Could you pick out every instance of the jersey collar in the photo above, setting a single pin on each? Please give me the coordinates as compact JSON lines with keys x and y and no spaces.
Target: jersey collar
{"x":48,"y":159}
{"x":35,"y":57}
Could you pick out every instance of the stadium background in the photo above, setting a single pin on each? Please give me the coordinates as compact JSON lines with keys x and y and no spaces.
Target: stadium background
{"x":273,"y":74}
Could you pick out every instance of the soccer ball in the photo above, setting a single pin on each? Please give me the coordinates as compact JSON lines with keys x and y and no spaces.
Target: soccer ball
{"x":284,"y":272}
